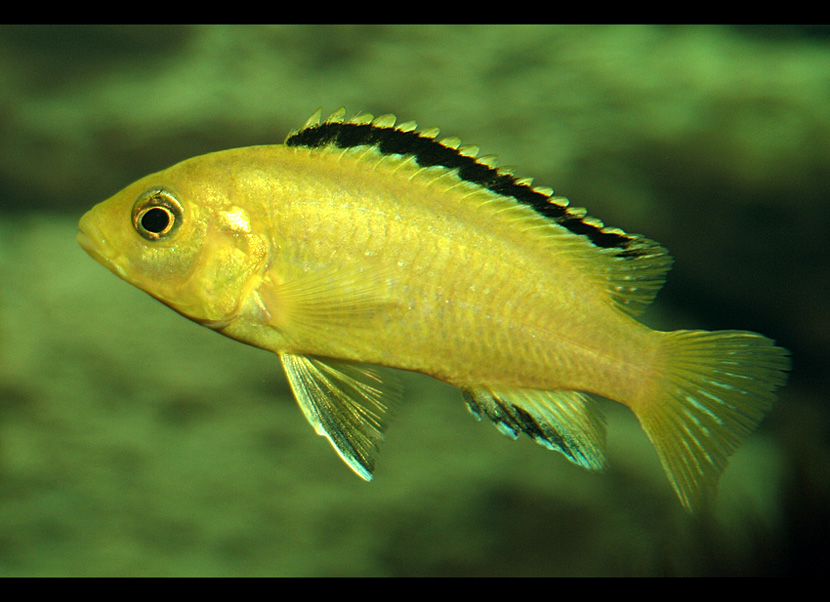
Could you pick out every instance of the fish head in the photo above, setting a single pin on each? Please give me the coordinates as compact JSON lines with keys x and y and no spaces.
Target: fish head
{"x":178,"y":236}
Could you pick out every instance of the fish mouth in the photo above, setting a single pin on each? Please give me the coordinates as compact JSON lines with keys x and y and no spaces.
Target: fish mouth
{"x":95,"y":244}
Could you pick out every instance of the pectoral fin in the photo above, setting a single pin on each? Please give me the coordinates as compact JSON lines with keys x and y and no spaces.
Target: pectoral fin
{"x":329,"y":304}
{"x":346,"y":402}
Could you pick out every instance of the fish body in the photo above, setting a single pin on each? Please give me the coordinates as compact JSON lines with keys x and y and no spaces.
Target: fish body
{"x":359,"y":245}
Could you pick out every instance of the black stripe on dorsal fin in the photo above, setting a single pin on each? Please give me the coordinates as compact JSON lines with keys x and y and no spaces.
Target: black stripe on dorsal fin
{"x":381,"y":133}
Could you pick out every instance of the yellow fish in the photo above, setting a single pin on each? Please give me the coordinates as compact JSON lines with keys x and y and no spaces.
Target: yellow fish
{"x":359,"y":244}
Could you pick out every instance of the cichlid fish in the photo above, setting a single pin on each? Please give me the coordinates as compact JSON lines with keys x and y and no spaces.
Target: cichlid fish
{"x":359,"y":244}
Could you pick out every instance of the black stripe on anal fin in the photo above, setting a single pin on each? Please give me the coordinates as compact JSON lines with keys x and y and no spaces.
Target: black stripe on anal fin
{"x":429,"y":152}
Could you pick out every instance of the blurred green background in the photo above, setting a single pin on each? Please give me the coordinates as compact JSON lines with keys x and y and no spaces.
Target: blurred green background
{"x":133,"y":442}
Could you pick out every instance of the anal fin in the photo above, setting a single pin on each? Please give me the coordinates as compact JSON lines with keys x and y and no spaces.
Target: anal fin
{"x":346,"y":402}
{"x":565,"y":421}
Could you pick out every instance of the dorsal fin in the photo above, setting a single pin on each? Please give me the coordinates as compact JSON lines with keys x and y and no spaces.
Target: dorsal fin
{"x":380,"y":132}
{"x":641,"y":265}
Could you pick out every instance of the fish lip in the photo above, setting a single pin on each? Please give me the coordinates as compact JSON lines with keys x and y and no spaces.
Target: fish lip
{"x":94,"y":243}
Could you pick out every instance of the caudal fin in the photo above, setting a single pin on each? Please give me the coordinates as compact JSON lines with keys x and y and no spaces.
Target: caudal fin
{"x":712,"y":390}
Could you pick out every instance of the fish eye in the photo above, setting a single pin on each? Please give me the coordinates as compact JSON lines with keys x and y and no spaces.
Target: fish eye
{"x":156,"y":215}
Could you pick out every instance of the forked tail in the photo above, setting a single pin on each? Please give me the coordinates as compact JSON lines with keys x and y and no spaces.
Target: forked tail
{"x":712,"y":390}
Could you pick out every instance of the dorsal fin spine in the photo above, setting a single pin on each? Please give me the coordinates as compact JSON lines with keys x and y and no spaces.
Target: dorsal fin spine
{"x":427,"y":151}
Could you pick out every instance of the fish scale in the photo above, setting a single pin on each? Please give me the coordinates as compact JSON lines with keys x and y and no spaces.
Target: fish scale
{"x":361,"y":245}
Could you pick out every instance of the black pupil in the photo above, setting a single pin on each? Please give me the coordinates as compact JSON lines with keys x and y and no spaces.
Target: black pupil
{"x":155,"y":220}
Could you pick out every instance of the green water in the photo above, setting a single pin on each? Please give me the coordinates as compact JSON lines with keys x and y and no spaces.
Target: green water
{"x":133,"y":442}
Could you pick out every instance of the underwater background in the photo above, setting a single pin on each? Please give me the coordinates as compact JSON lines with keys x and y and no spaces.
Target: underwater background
{"x":136,"y":443}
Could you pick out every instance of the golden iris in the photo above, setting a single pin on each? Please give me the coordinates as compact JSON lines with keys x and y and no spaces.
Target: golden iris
{"x":156,"y":215}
